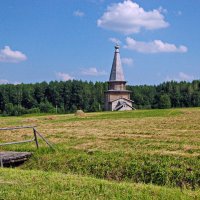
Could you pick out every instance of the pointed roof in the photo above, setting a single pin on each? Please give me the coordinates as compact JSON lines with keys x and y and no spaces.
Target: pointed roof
{"x":116,"y":73}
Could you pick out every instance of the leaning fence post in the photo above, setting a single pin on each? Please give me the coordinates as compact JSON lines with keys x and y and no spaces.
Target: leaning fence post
{"x":43,"y":138}
{"x":1,"y":161}
{"x":35,"y":136}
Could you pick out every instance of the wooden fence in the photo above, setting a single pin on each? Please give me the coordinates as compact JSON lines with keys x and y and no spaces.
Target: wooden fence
{"x":36,"y":134}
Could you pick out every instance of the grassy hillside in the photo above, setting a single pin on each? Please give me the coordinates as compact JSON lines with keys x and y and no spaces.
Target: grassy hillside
{"x":160,"y":147}
{"x":34,"y":185}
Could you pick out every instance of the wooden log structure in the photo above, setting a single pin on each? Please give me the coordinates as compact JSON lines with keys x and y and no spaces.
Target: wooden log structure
{"x":9,"y":158}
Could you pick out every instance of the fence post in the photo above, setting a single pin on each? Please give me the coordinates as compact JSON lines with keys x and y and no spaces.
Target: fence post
{"x":1,"y":160}
{"x":35,"y":136}
{"x":43,"y":138}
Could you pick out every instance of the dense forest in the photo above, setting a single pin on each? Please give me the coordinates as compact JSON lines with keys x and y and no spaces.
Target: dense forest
{"x":67,"y":97}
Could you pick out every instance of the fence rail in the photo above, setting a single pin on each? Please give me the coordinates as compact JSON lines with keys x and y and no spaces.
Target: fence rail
{"x":15,"y":128}
{"x":35,"y":134}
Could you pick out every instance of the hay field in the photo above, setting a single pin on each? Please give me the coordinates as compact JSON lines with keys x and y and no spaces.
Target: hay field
{"x":162,"y":132}
{"x":160,"y":147}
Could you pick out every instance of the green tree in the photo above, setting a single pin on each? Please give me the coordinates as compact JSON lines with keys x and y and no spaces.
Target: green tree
{"x":164,"y":101}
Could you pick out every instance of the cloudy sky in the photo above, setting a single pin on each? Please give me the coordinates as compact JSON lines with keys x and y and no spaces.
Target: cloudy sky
{"x":74,"y":39}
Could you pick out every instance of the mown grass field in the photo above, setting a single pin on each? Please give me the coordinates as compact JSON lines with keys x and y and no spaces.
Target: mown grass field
{"x":143,"y":154}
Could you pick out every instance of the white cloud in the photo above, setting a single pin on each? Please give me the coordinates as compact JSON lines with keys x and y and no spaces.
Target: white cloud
{"x":127,"y":61}
{"x":186,"y":77}
{"x":181,"y":77}
{"x":93,"y":72}
{"x":78,"y":13}
{"x":4,"y":81}
{"x":63,"y":76}
{"x":17,"y":83}
{"x":8,"y":55}
{"x":156,"y":46}
{"x":162,"y":10}
{"x":114,"y":40}
{"x":128,"y":17}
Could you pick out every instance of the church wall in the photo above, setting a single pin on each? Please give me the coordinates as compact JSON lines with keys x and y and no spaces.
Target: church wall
{"x":117,"y":86}
{"x":114,"y":96}
{"x":118,"y":95}
{"x":106,"y":105}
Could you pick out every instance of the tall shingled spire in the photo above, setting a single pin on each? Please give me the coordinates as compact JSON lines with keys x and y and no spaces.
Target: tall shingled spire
{"x":117,"y":71}
{"x":117,"y":97}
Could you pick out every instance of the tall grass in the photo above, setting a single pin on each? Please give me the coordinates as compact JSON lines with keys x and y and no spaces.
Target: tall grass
{"x":155,"y":169}
{"x":38,"y":185}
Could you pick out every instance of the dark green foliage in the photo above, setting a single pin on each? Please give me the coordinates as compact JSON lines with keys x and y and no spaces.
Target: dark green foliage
{"x":53,"y":97}
{"x":69,"y":96}
{"x":164,"y":101}
{"x":15,"y":110}
{"x":46,"y":107}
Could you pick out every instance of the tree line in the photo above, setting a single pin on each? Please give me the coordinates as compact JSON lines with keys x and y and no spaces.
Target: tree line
{"x":67,"y":97}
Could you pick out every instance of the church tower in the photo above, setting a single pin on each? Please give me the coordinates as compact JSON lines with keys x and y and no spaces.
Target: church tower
{"x":117,"y":97}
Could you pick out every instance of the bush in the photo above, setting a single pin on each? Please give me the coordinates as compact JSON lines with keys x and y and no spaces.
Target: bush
{"x":46,"y":107}
{"x":165,"y":101}
{"x":33,"y":110}
{"x":15,"y":110}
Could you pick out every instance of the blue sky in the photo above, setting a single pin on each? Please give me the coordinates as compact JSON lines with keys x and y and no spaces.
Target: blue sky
{"x":74,"y":39}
